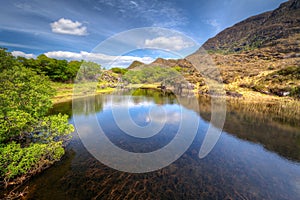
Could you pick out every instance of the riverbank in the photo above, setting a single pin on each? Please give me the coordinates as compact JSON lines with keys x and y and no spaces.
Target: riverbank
{"x":65,"y":91}
{"x":283,"y":108}
{"x":249,"y":139}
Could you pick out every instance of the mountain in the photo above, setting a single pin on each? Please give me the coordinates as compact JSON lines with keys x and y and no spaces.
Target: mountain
{"x":186,"y":68}
{"x":162,"y":63}
{"x":278,"y":28}
{"x":135,"y":64}
{"x":260,"y":55}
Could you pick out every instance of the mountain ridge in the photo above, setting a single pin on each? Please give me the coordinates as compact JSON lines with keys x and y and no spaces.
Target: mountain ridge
{"x":259,"y":54}
{"x":262,"y":30}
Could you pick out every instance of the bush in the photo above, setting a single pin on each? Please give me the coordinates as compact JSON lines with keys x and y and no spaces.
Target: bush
{"x":16,"y":161}
{"x":119,"y":70}
{"x":295,"y":92}
{"x":150,"y":75}
{"x":28,"y":138}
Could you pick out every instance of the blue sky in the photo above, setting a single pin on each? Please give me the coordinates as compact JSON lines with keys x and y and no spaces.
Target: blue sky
{"x":70,"y":29}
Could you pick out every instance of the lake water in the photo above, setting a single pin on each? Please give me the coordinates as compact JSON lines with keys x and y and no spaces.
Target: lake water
{"x":255,"y":157}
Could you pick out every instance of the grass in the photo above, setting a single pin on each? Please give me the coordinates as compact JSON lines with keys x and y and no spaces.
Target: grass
{"x":144,"y":86}
{"x":65,"y":91}
{"x":276,"y":109}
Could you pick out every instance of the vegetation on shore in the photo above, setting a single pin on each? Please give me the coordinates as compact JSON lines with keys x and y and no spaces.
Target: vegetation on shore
{"x":30,"y":139}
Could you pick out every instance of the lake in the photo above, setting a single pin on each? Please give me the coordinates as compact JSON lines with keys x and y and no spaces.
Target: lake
{"x":256,"y":157}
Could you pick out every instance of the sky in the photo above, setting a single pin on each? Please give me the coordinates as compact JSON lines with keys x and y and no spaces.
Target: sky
{"x":76,"y":29}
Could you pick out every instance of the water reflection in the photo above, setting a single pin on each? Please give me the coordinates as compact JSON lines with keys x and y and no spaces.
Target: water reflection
{"x":280,"y":137}
{"x":277,"y":136}
{"x":235,"y":169}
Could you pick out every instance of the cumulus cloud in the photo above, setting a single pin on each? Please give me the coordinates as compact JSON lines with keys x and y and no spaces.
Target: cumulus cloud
{"x":104,"y":60}
{"x":22,"y":54}
{"x":67,"y":26}
{"x":173,"y":43}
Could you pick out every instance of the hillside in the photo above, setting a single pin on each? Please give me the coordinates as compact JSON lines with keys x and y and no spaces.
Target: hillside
{"x":257,"y":57}
{"x":183,"y":66}
{"x":278,"y":28}
{"x":260,"y":54}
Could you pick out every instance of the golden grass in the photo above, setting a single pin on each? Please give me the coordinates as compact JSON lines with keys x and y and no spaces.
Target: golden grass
{"x":275,"y":108}
{"x":65,"y":91}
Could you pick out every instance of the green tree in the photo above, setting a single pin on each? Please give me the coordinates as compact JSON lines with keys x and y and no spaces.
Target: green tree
{"x":29,"y":139}
{"x":89,"y":71}
{"x":72,"y":69}
{"x":6,"y":60}
{"x":55,"y":69}
{"x":46,"y":64}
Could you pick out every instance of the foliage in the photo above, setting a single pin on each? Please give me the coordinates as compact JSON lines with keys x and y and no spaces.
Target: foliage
{"x":28,"y":137}
{"x":16,"y":160}
{"x":6,"y":60}
{"x":89,"y":71}
{"x":118,"y":70}
{"x":56,"y":70}
{"x":283,"y":82}
{"x":150,"y":75}
{"x":72,"y":68}
{"x":178,"y":68}
{"x":291,"y":71}
{"x":24,"y":99}
{"x":295,"y":91}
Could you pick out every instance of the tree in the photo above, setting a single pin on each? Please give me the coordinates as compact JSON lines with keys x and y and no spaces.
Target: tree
{"x":46,"y":65}
{"x":29,"y":139}
{"x":55,"y":69}
{"x":72,"y":69}
{"x":6,"y":60}
{"x":89,"y":71}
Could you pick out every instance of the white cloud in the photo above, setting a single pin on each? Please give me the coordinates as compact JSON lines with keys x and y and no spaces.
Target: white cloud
{"x":22,"y":54}
{"x":64,"y":55}
{"x":214,"y":23}
{"x":104,"y":60}
{"x":134,"y":3}
{"x":173,"y":43}
{"x":67,"y":26}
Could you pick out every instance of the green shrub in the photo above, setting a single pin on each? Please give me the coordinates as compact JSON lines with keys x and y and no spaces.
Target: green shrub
{"x":28,"y":137}
{"x":16,"y":161}
{"x":295,"y":91}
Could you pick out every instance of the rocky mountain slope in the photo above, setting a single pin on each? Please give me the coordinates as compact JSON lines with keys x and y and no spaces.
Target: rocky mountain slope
{"x":260,"y":55}
{"x":279,"y":28}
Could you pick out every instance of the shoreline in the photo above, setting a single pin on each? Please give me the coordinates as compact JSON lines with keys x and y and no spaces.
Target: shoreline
{"x":283,"y":108}
{"x":247,"y":97}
